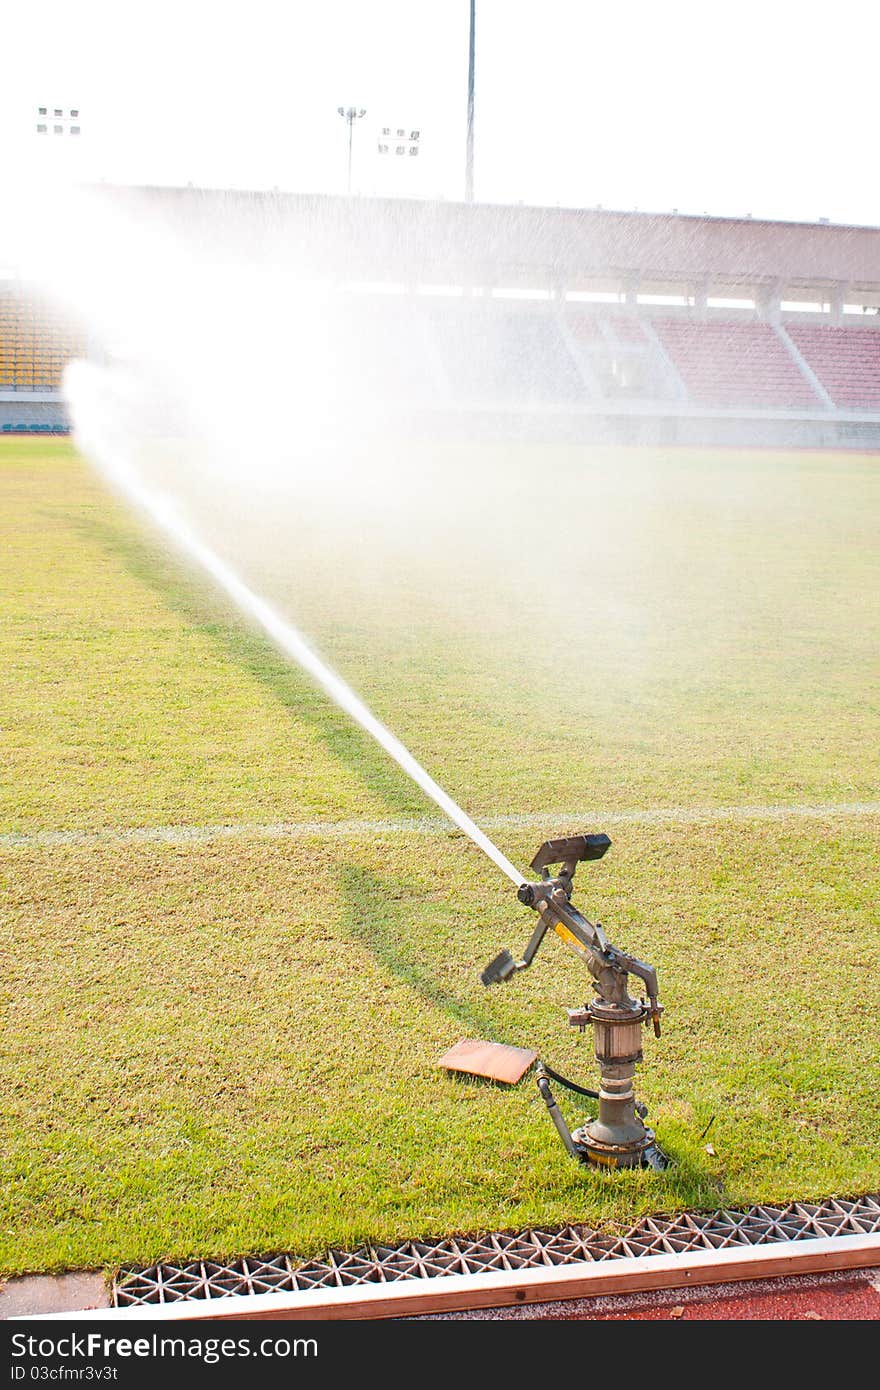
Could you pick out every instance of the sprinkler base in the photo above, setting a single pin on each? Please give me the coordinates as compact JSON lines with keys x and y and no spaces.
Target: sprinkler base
{"x":645,"y":1154}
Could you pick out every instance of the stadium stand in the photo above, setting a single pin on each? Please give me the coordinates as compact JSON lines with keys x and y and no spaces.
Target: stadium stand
{"x":735,"y":364}
{"x":379,"y":346}
{"x":496,"y":356}
{"x":846,"y":361}
{"x":36,"y":343}
{"x":608,"y":326}
{"x":618,"y":356}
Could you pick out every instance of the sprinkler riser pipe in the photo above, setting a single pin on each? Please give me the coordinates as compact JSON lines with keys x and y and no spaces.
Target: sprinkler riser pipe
{"x":617,"y":1136}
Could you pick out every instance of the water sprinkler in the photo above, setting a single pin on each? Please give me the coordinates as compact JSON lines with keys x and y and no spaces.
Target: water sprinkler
{"x":617,"y":1138}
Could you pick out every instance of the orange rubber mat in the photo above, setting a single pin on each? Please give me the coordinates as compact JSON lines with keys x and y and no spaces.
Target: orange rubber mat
{"x":497,"y":1061}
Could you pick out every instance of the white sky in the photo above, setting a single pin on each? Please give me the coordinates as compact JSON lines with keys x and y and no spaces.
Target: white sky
{"x":765,"y":108}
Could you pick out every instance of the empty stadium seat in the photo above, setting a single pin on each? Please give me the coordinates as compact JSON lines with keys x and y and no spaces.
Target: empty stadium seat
{"x":846,"y":361}
{"x":35,"y":343}
{"x":735,"y":364}
{"x":620,"y":354}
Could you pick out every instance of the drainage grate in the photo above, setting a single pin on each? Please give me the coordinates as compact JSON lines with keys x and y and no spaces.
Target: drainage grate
{"x":380,"y":1264}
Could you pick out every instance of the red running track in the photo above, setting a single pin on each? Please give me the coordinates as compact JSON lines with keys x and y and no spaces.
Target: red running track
{"x":845,"y":1296}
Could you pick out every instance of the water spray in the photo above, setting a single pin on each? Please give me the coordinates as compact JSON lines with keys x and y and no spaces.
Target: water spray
{"x":107,"y":405}
{"x":96,"y":441}
{"x":617,"y":1138}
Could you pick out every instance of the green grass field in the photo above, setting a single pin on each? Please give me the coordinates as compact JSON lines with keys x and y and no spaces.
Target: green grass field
{"x":227,"y":1044}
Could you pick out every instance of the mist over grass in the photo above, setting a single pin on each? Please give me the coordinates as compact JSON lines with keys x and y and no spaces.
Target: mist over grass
{"x":549,"y":629}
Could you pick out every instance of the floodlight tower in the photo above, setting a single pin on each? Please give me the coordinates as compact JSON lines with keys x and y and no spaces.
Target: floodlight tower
{"x":350,"y":114}
{"x":469,"y":154}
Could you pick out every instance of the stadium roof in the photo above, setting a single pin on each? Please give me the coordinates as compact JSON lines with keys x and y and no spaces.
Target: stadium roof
{"x":400,"y":239}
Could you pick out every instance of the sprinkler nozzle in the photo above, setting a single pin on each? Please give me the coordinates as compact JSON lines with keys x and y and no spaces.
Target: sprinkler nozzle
{"x":501,"y":968}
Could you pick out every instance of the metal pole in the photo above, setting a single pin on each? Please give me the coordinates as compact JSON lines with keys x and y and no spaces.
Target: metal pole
{"x":469,"y":158}
{"x":350,"y":114}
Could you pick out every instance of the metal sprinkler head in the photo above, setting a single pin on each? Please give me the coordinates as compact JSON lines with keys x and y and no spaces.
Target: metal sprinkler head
{"x":617,"y":1137}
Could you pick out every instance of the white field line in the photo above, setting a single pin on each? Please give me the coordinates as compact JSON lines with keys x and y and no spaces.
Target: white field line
{"x":551,"y":822}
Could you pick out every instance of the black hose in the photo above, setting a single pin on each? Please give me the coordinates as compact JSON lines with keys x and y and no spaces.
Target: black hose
{"x":570,"y":1085}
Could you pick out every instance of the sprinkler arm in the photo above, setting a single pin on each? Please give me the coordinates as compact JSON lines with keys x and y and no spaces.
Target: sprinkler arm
{"x":551,"y":899}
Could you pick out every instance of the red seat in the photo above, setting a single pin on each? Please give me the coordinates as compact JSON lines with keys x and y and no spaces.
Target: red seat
{"x":846,"y":361}
{"x":735,"y":364}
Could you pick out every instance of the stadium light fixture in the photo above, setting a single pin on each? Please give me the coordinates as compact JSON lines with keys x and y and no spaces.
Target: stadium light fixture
{"x":350,"y":114}
{"x":399,"y":141}
{"x":62,"y":121}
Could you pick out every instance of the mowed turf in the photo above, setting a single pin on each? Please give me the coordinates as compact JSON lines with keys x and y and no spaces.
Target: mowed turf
{"x":221,"y":1047}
